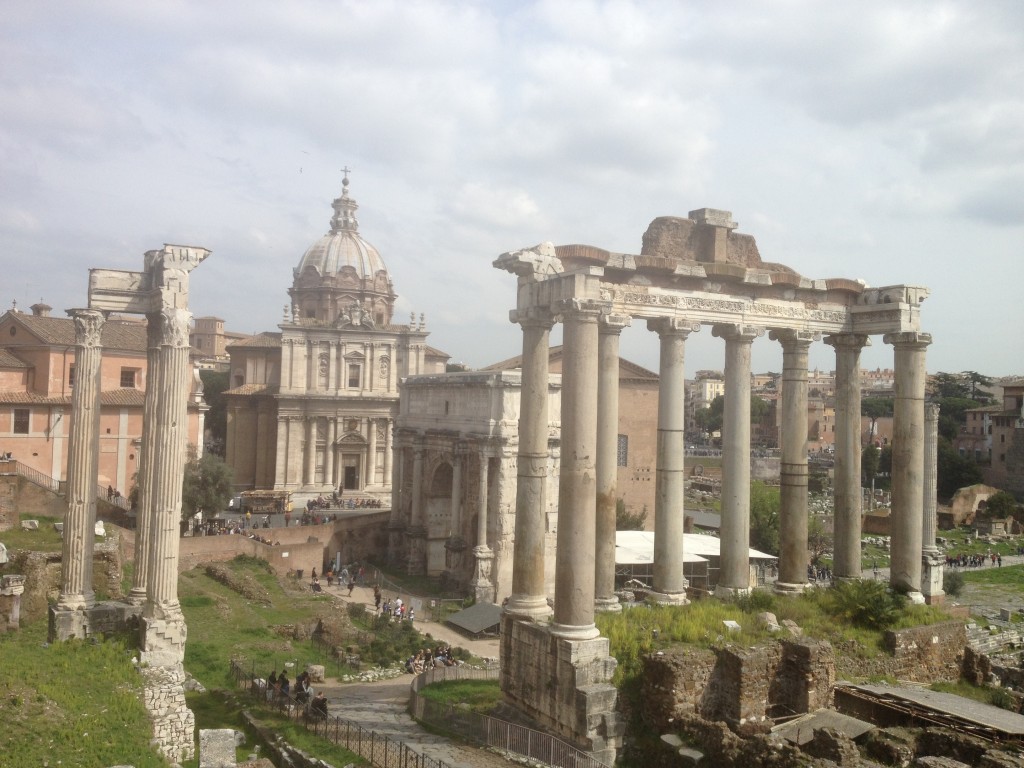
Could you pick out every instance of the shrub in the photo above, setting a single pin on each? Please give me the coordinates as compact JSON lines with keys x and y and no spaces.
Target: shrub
{"x":867,"y":604}
{"x":952,"y":583}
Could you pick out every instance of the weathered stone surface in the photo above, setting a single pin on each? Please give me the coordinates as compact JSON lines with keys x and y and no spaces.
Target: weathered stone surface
{"x":216,"y":748}
{"x":832,"y":745}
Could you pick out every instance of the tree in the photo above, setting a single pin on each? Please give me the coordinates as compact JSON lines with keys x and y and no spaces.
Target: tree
{"x":976,"y":380}
{"x":943,"y":385}
{"x":875,"y":408}
{"x":716,"y":412}
{"x":1000,"y":505}
{"x":869,"y":461}
{"x":216,"y":422}
{"x":954,"y":471}
{"x":629,"y":521}
{"x":765,"y":503}
{"x":206,"y":486}
{"x":819,"y":541}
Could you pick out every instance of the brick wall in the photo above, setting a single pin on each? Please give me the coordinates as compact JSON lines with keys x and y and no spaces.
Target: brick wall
{"x":927,"y":654}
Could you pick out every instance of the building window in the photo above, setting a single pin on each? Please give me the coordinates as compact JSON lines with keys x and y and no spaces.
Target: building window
{"x":128,"y":378}
{"x":21,"y":421}
{"x":622,"y":451}
{"x":355,"y":371}
{"x":71,"y":375}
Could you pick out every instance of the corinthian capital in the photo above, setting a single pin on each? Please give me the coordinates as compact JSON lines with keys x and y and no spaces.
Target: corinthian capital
{"x":174,"y":327}
{"x":673,"y":326}
{"x":88,"y":326}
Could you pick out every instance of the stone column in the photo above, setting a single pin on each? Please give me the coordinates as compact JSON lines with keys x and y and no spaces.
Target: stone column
{"x":908,"y":461}
{"x":387,"y":450}
{"x":483,"y":585}
{"x":848,"y":495}
{"x":332,"y":436}
{"x":669,"y":483}
{"x":455,"y":528}
{"x":793,"y":559}
{"x":577,"y":477}
{"x":932,"y":559}
{"x":734,"y":571}
{"x":528,"y":598}
{"x":144,"y":511}
{"x":309,"y":455}
{"x":609,"y":329}
{"x":76,"y":591}
{"x":371,"y":454}
{"x":416,"y":563}
{"x":164,"y":625}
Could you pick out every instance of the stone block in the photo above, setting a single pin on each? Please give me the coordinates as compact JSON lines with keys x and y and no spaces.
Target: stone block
{"x":98,"y":528}
{"x":217,"y":748}
{"x":316,"y":673}
{"x":30,"y":525}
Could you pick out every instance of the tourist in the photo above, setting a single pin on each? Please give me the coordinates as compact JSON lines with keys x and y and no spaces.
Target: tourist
{"x":351,"y":586}
{"x":376,"y":597}
{"x":318,"y":708}
{"x":284,"y":685}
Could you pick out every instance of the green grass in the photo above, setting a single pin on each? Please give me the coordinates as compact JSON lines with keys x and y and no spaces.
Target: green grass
{"x":46,"y":539}
{"x":477,"y":695}
{"x":963,"y":541}
{"x":73,"y":703}
{"x":997,"y":697}
{"x":1011,"y":575}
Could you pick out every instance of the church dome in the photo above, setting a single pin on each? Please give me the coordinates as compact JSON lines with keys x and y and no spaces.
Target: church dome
{"x":341,"y":276}
{"x":343,"y":246}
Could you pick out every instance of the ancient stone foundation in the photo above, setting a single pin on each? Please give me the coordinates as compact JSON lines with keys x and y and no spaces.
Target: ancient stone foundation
{"x":173,"y":722}
{"x":97,"y":621}
{"x":564,"y":685}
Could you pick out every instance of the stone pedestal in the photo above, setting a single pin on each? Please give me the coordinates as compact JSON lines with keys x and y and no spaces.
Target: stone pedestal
{"x":564,"y":685}
{"x":483,"y":584}
{"x":12,"y":587}
{"x":416,"y":551}
{"x":99,"y":620}
{"x":932,"y":571}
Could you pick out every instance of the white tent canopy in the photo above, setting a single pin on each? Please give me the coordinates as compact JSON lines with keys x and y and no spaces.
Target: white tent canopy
{"x":634,"y":547}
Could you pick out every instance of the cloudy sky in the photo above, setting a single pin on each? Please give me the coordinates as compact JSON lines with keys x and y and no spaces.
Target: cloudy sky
{"x":881,"y":141}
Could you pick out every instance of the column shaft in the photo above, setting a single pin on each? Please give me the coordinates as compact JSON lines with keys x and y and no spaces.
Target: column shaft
{"x":371,"y":455}
{"x":734,"y":572}
{"x":793,"y":557}
{"x":332,"y":436}
{"x":528,"y":596}
{"x":170,"y":438}
{"x":929,"y":525}
{"x":83,"y":463}
{"x":848,"y":493}
{"x":309,"y":472}
{"x":577,"y":481}
{"x":669,"y":482}
{"x":456,"y":505}
{"x":607,"y":465}
{"x":907,"y":460}
{"x":144,"y":511}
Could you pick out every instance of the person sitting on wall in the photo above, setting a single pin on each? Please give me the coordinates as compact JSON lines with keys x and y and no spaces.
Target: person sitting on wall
{"x":315,"y":585}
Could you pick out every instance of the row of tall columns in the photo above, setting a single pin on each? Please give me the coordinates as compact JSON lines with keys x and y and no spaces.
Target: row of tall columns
{"x":577,"y":481}
{"x":734,"y":568}
{"x":847,"y":482}
{"x":793,"y":469}
{"x":83,"y":464}
{"x":669,"y":584}
{"x":528,"y":598}
{"x":369,"y":466}
{"x":609,"y":330}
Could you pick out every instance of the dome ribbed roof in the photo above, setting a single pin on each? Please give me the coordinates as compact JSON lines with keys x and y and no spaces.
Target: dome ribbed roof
{"x":343,"y":246}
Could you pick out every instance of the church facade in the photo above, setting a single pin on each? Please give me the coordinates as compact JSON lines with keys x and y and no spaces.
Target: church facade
{"x":311,"y":407}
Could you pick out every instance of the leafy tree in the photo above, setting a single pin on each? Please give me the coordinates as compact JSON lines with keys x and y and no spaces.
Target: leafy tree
{"x":869,"y":460}
{"x":206,"y":486}
{"x":976,"y":380}
{"x":943,"y":385}
{"x":954,"y":471}
{"x":952,"y":582}
{"x":765,"y":503}
{"x":214,"y":384}
{"x":875,"y":408}
{"x":953,"y":415}
{"x":819,"y":541}
{"x":1000,"y":505}
{"x":629,"y":521}
{"x":716,"y":412}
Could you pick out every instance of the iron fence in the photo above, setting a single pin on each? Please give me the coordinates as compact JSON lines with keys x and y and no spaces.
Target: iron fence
{"x":15,"y":467}
{"x":490,"y":731}
{"x":379,"y":750}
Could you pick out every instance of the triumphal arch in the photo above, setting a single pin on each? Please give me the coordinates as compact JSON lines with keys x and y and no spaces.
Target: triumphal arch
{"x":691,"y":272}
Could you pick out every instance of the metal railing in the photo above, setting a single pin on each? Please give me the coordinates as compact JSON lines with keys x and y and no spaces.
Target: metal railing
{"x":15,"y":467}
{"x":490,"y":731}
{"x":379,"y":750}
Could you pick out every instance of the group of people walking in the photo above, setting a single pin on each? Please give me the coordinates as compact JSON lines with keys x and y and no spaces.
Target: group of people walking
{"x":279,"y":690}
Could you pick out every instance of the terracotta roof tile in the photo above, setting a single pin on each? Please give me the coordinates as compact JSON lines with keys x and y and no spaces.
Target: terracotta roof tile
{"x":254,"y":389}
{"x":266,"y":339}
{"x":117,"y":334}
{"x":10,"y":360}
